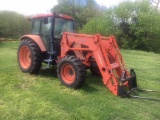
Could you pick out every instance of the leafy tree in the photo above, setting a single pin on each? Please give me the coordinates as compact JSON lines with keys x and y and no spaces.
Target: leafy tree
{"x":126,"y":14}
{"x":135,"y":24}
{"x":81,"y":10}
{"x":104,"y":25}
{"x":139,"y":25}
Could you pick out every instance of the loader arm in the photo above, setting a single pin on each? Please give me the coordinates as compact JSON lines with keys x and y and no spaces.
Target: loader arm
{"x":107,"y":56}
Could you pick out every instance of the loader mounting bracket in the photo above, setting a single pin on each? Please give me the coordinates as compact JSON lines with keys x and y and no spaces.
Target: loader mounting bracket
{"x":132,"y":84}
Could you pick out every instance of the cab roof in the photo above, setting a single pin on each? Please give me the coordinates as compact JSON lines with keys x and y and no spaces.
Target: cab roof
{"x":50,"y":15}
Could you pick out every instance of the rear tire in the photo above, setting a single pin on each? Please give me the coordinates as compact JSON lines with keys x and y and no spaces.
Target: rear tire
{"x":71,"y":72}
{"x":29,"y":57}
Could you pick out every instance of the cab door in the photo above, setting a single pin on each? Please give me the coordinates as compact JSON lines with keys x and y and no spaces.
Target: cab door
{"x":45,"y":32}
{"x":42,"y":27}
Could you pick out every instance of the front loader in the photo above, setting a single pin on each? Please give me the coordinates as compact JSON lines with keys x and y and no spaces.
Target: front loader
{"x":54,"y":42}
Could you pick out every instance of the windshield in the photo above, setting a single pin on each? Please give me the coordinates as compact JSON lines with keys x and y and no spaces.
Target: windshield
{"x":62,"y":25}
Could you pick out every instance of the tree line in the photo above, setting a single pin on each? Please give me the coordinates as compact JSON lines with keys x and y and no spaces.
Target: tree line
{"x":136,"y":24}
{"x":13,"y":25}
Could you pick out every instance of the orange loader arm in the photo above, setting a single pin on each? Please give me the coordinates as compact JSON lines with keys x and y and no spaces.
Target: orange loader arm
{"x":105,"y":52}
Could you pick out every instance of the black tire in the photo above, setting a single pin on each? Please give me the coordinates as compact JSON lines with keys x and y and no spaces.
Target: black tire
{"x":95,"y":70}
{"x":71,"y":72}
{"x":29,"y":56}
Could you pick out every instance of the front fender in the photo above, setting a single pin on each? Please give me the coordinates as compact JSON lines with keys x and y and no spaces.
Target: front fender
{"x":37,"y":39}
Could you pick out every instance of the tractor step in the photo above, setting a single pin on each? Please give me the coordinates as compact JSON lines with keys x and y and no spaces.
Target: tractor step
{"x":50,"y":53}
{"x":54,"y":53}
{"x":48,"y":60}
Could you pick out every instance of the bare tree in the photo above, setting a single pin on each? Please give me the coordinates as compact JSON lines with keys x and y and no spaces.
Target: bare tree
{"x":156,"y":2}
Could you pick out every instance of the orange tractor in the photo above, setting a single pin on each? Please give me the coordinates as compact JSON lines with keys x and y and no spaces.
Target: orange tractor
{"x":54,"y":42}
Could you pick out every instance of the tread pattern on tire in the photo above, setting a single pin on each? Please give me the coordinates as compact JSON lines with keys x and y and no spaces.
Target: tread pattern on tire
{"x":36,"y":56}
{"x":79,"y":68}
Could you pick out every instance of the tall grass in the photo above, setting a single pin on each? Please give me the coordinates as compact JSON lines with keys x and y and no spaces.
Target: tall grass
{"x":42,"y":97}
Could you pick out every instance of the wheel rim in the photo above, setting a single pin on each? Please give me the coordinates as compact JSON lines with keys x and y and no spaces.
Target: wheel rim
{"x":25,"y":57}
{"x":68,"y":73}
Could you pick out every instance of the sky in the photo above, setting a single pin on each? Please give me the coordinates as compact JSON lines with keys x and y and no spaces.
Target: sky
{"x":32,"y":7}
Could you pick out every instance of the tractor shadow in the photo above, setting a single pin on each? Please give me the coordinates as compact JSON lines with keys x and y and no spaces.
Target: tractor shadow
{"x":91,"y":84}
{"x":48,"y":72}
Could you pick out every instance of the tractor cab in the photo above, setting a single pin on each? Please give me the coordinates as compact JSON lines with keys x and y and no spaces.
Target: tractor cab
{"x":50,"y":28}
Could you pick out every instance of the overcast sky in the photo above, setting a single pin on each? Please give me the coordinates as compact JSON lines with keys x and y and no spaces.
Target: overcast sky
{"x":31,"y":7}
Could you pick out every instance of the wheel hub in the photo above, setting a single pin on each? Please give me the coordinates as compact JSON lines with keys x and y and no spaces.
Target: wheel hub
{"x":68,"y":73}
{"x":25,"y":57}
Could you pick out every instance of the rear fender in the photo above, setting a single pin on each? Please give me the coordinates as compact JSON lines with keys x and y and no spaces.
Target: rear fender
{"x":37,"y":39}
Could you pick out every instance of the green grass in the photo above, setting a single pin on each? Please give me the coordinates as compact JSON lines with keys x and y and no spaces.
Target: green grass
{"x":42,"y":97}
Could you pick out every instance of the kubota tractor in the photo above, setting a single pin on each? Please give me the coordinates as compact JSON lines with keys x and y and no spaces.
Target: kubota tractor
{"x":54,"y":42}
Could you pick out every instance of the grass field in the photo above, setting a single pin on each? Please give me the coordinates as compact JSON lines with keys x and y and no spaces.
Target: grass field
{"x":42,"y":97}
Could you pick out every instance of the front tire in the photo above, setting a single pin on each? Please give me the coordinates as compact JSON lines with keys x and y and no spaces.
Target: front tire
{"x":71,"y":72}
{"x":29,"y":57}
